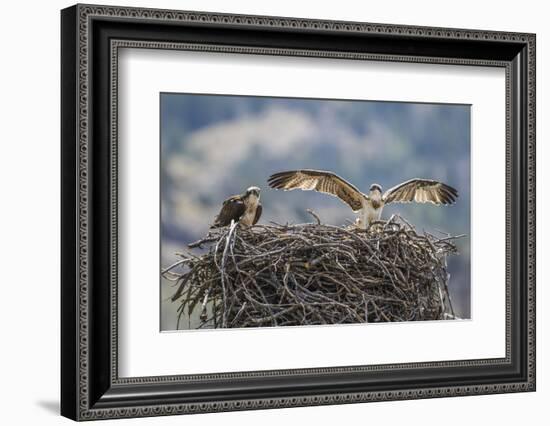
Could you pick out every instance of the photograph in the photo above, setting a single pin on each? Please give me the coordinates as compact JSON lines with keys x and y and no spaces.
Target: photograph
{"x":304,"y":212}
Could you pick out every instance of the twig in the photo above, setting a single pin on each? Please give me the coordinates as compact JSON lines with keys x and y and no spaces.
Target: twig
{"x":313,"y":273}
{"x":311,"y":212}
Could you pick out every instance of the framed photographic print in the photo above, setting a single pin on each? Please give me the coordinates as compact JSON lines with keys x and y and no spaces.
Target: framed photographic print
{"x":263,"y":212}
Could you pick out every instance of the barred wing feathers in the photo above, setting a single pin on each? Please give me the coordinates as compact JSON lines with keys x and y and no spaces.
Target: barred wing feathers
{"x":421,"y":191}
{"x":321,"y":181}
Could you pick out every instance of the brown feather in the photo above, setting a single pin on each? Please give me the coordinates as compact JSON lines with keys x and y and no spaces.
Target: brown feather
{"x":318,"y":180}
{"x":258,"y":214}
{"x":421,"y":191}
{"x":232,"y":209}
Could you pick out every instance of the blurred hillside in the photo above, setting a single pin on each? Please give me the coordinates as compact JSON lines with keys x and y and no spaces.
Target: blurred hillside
{"x":216,"y":146}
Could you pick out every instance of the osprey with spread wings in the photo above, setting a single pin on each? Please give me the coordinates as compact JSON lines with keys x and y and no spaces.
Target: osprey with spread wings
{"x":369,"y":206}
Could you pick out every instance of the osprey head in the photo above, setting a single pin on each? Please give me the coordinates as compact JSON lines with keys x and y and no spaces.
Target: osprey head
{"x":375,"y":187}
{"x":252,"y":191}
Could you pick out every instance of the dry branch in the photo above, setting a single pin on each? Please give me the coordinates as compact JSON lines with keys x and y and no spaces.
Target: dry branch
{"x":309,"y":274}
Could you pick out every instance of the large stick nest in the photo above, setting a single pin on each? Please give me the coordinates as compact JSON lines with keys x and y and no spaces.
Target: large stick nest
{"x":310,"y":274}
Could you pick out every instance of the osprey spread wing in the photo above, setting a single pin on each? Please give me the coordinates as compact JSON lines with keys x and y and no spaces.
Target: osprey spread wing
{"x":421,"y":191}
{"x":321,"y":181}
{"x":369,"y":206}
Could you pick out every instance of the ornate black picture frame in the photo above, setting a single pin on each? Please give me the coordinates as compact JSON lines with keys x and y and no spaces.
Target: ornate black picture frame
{"x":91,"y":36}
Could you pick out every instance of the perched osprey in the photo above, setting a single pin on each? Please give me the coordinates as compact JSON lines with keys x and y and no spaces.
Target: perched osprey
{"x":369,"y":206}
{"x":243,"y":208}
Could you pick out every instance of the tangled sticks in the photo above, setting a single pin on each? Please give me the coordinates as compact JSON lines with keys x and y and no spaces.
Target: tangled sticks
{"x":309,"y":274}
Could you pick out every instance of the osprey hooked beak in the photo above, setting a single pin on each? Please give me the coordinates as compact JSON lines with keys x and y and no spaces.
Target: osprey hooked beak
{"x":253,"y":190}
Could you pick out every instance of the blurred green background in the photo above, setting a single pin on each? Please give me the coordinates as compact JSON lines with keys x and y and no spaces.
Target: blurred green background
{"x":214,"y":146}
